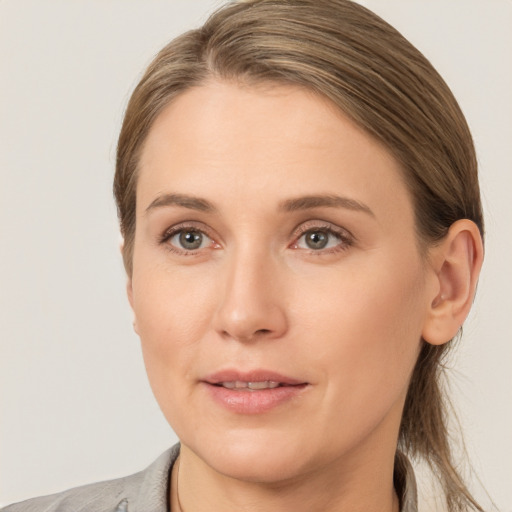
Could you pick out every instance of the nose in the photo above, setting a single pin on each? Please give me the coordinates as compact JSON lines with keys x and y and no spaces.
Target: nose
{"x":251,"y":305}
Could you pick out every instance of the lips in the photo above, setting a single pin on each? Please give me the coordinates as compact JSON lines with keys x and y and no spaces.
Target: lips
{"x":252,"y":392}
{"x":241,"y":380}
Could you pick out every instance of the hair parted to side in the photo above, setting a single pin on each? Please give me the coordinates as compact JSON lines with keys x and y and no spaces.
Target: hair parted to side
{"x":344,"y":52}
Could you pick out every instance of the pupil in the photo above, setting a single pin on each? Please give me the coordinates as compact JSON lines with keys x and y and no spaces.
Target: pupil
{"x":317,"y":240}
{"x":191,"y":239}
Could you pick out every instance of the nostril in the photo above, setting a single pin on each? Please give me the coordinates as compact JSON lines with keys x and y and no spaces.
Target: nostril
{"x":250,"y":323}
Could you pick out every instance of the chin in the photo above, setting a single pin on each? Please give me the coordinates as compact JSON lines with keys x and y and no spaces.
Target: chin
{"x":253,"y":456}
{"x":269,"y":466}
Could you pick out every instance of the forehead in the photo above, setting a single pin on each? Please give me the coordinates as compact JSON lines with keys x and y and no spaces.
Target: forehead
{"x":229,"y":141}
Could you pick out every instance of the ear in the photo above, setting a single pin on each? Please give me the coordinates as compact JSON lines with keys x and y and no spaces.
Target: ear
{"x":456,"y":264}
{"x":129,"y":291}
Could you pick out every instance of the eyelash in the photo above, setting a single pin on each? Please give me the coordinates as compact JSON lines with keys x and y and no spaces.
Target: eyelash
{"x":180,"y":228}
{"x":345,"y":238}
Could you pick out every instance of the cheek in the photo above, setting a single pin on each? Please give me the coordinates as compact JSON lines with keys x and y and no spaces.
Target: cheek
{"x":172,"y":310}
{"x":368,"y":302}
{"x":171,"y":303}
{"x":367,"y":336}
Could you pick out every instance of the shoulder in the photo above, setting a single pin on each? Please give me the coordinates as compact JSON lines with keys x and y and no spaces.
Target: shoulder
{"x":146,"y":490}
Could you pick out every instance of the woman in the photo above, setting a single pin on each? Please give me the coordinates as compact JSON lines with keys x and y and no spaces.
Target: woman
{"x":298,"y":196}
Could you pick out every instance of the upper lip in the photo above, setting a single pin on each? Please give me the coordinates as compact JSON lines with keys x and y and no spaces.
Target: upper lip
{"x":250,"y":376}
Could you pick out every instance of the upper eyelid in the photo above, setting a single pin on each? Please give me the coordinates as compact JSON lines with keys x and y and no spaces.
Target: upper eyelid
{"x":193,"y":225}
{"x":310,"y":225}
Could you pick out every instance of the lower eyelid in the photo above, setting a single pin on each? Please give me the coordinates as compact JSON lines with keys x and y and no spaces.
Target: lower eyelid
{"x":342,"y":244}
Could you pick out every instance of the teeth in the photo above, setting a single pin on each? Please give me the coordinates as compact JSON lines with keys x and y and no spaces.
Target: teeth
{"x":239,"y":384}
{"x":267,"y":384}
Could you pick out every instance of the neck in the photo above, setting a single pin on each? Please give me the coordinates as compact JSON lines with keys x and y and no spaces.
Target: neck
{"x":333,"y":489}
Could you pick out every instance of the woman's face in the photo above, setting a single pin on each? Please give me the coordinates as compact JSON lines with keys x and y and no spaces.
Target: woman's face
{"x":277,"y":286}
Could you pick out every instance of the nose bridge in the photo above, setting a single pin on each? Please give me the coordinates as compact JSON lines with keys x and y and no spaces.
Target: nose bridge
{"x":250,"y":304}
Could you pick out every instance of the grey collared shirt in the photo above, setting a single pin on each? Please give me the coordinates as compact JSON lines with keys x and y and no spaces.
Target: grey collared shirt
{"x":148,"y":491}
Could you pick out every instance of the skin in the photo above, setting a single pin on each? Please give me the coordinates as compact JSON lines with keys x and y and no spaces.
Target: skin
{"x":347,"y":319}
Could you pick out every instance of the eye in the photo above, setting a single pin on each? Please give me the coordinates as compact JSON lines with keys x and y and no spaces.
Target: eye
{"x":318,"y":239}
{"x":188,"y":239}
{"x":322,"y":239}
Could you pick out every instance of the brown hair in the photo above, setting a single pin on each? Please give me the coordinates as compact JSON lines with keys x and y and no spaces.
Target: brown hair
{"x":344,"y":52}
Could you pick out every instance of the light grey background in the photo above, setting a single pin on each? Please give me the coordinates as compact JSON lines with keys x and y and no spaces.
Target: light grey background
{"x":75,"y":403}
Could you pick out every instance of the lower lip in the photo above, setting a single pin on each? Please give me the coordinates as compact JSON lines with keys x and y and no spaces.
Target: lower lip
{"x":253,"y":402}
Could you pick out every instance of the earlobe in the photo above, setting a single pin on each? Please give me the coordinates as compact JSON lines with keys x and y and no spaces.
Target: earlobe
{"x":457,"y":261}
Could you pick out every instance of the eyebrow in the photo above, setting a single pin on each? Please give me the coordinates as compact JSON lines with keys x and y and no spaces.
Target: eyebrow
{"x":289,"y":205}
{"x":329,"y":201}
{"x":183,"y":200}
